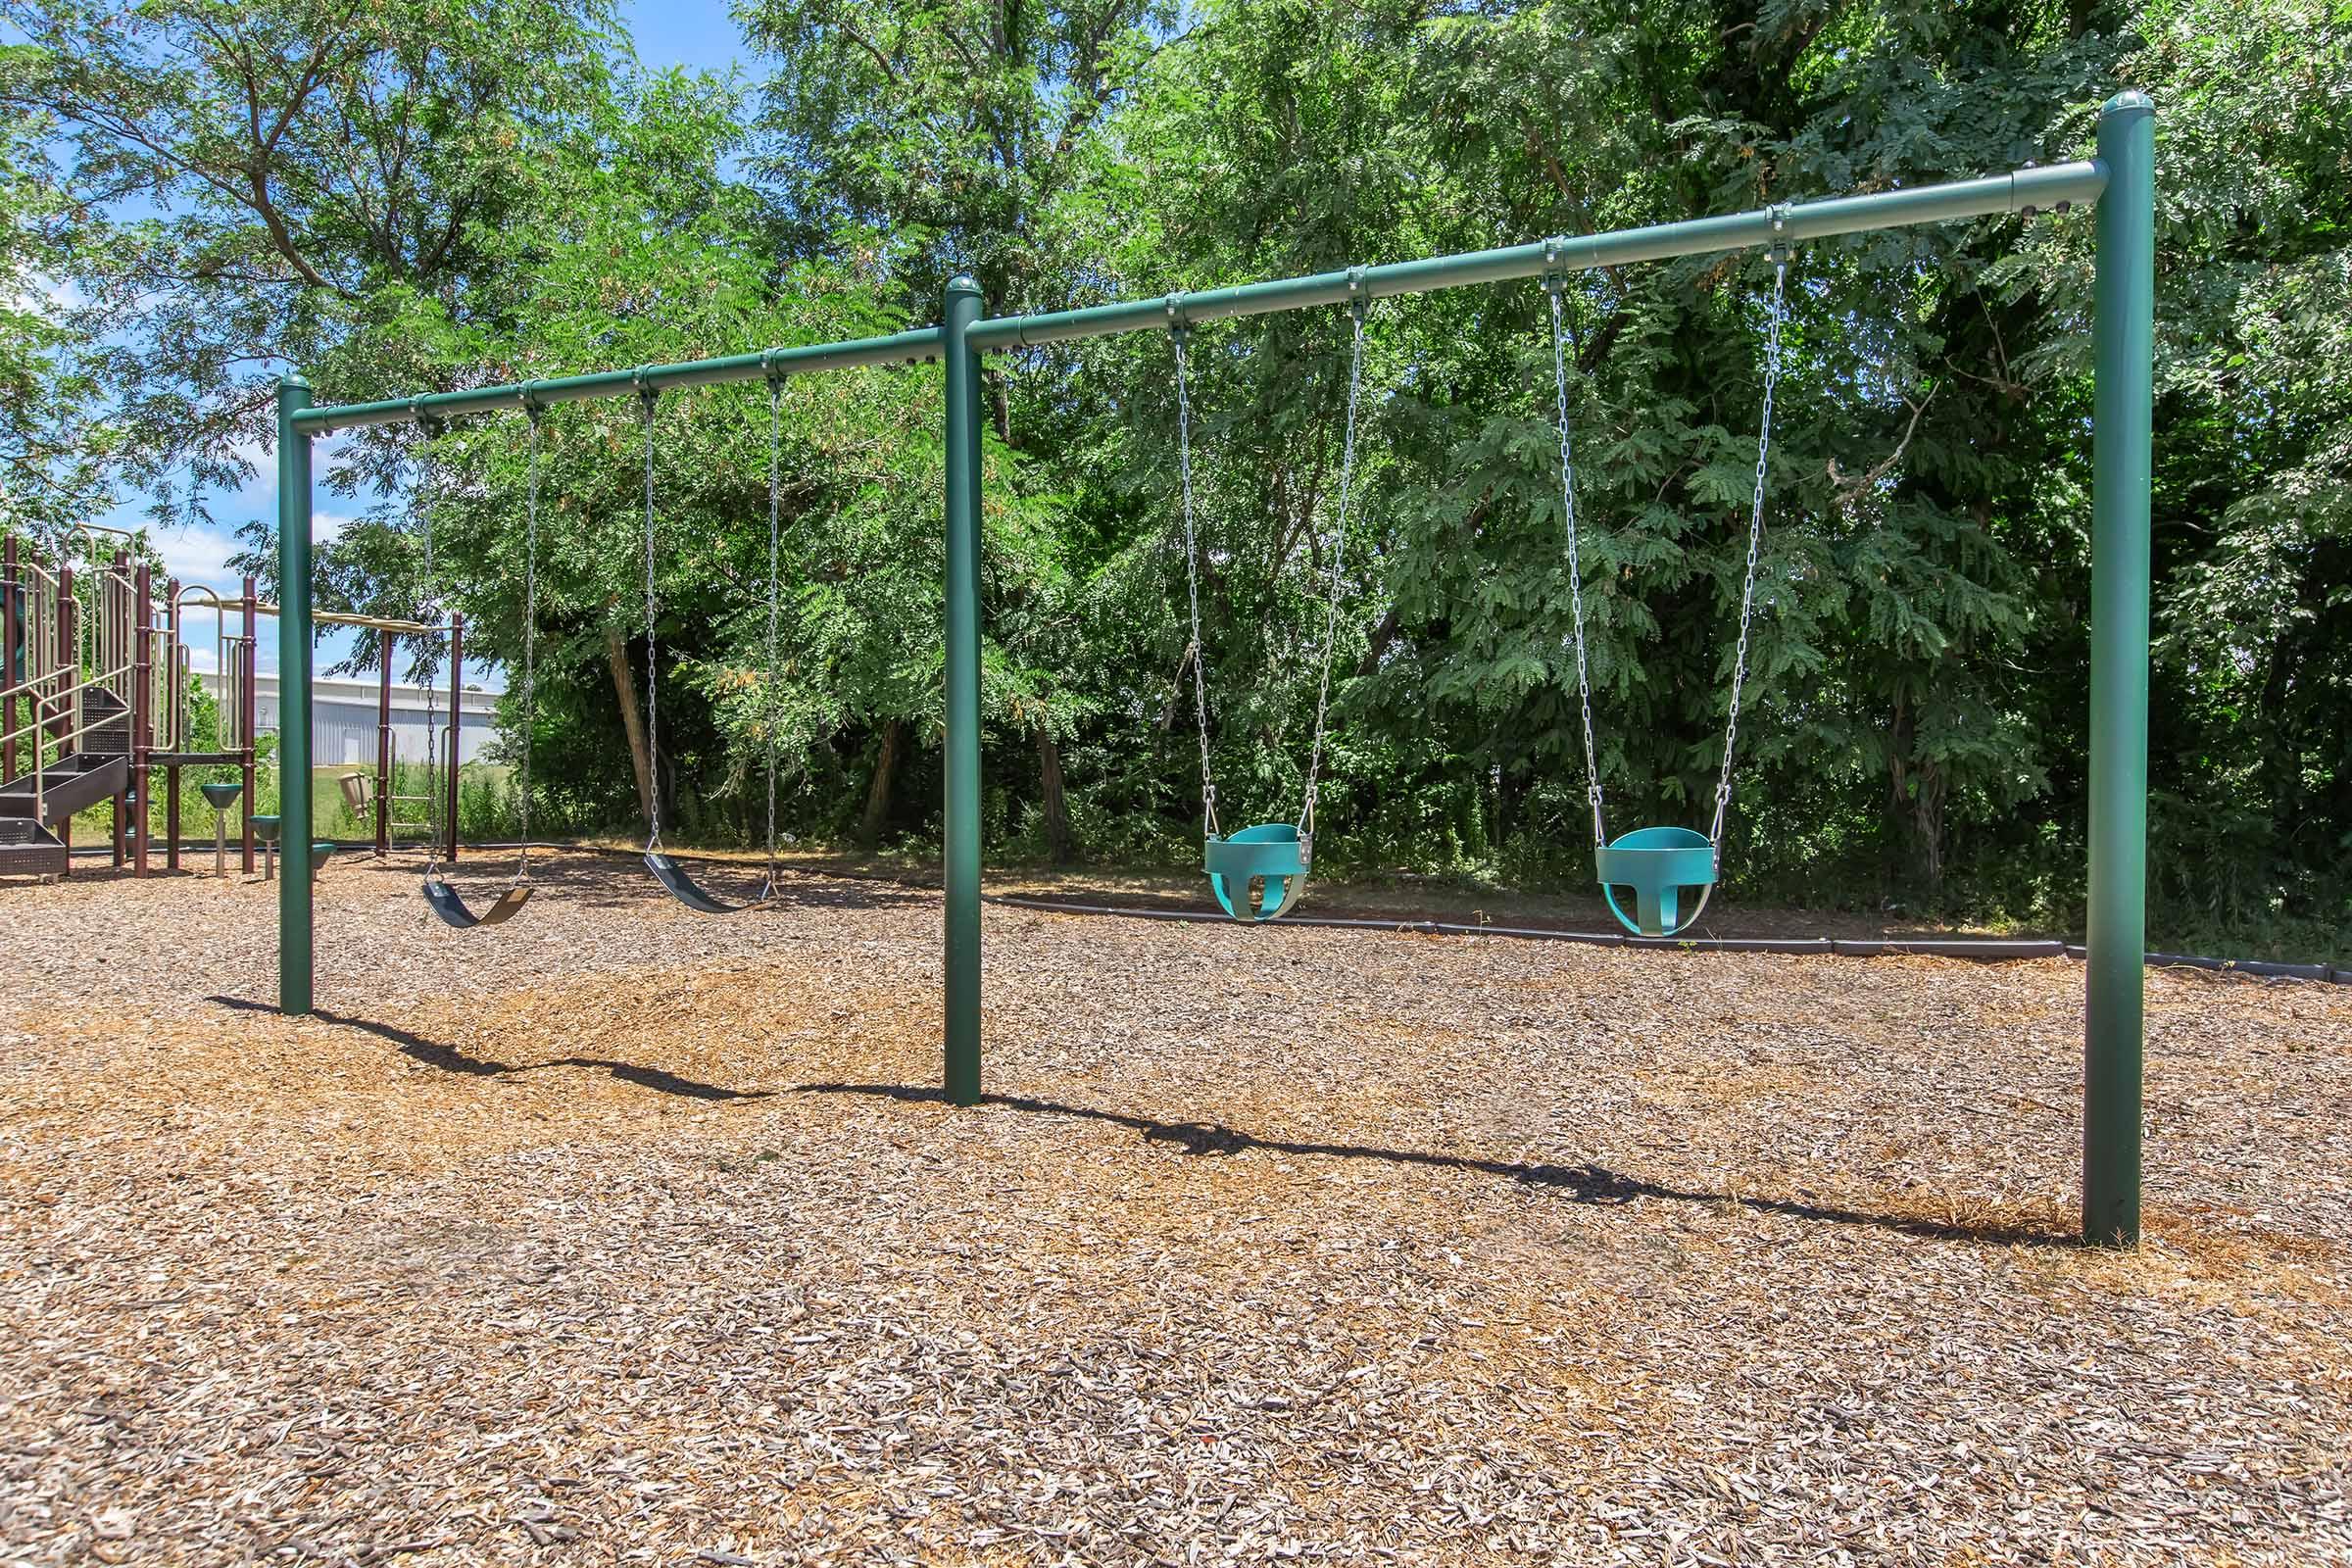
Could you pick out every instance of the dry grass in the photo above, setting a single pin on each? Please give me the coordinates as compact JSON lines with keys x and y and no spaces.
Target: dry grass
{"x":626,"y":1235}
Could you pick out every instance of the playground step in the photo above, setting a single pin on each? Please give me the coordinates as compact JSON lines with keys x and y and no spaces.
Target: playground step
{"x":111,"y":716}
{"x":28,"y":849}
{"x":69,"y":785}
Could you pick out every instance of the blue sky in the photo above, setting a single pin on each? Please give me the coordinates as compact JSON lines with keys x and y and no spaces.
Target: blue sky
{"x":696,"y":34}
{"x":684,"y":33}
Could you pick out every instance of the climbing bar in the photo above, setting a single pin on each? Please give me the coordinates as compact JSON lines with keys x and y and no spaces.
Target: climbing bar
{"x":333,"y":617}
{"x":902,"y":348}
{"x":2022,"y":190}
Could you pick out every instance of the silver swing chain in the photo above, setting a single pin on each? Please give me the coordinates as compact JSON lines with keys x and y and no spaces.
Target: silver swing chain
{"x":1553,"y":286}
{"x":432,"y":707}
{"x":1358,"y":307}
{"x":1755,"y":530}
{"x":653,"y":667}
{"x":530,"y":638}
{"x":1177,"y":333}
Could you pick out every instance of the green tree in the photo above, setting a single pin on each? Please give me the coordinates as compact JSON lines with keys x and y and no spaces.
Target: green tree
{"x":52,"y":456}
{"x":262,"y":186}
{"x":941,"y":133}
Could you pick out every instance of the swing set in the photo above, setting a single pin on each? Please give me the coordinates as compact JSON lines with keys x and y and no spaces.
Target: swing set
{"x":1258,"y":873}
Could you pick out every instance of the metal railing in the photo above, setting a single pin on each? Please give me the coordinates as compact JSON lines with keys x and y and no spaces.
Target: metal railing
{"x":228,"y":664}
{"x":44,"y":683}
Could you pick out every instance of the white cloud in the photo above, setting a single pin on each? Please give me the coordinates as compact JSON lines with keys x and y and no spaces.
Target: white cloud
{"x":200,"y":556}
{"x":42,"y":295}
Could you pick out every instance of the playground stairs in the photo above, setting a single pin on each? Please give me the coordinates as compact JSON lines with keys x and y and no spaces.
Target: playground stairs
{"x":29,"y":845}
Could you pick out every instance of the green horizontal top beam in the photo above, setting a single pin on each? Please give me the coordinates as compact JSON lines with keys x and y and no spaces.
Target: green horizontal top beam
{"x":2037,"y":189}
{"x":2022,"y":190}
{"x":905,"y":348}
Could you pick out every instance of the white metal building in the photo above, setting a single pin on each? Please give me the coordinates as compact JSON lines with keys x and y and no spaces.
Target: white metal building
{"x":343,"y":718}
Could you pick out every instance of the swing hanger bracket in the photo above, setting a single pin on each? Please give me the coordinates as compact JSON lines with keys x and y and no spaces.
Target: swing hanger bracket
{"x":1179,"y":327}
{"x":1555,"y":270}
{"x":425,"y":419}
{"x":642,"y":379}
{"x":1359,"y":292}
{"x":776,"y":375}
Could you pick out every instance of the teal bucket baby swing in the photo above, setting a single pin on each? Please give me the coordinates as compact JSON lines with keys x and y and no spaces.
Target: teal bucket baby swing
{"x":1661,"y":866}
{"x":1259,"y":873}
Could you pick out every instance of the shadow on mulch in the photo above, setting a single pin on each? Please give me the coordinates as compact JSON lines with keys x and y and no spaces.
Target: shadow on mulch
{"x":1587,"y":1184}
{"x":610,"y":879}
{"x":448,"y":1058}
{"x":1581,"y":1184}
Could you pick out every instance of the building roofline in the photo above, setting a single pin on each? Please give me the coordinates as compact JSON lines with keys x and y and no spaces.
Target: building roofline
{"x":342,"y":689}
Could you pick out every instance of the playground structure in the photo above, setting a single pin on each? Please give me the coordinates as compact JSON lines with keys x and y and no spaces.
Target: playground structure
{"x":95,"y":701}
{"x":94,"y":698}
{"x":2120,"y":181}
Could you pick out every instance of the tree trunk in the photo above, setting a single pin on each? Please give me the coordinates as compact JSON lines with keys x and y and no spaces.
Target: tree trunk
{"x":624,"y":687}
{"x":1057,"y":810}
{"x":1509,"y":792}
{"x":1927,"y":815}
{"x":1382,"y":636}
{"x":878,"y":797}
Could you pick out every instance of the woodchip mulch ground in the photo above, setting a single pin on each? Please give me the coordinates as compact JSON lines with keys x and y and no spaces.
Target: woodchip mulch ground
{"x":624,"y":1235}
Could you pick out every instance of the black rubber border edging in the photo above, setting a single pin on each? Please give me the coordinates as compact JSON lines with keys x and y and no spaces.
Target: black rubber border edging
{"x":1989,"y":949}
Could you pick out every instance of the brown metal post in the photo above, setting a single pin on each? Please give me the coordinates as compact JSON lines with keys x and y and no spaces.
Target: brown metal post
{"x":142,"y":710}
{"x":130,"y":711}
{"x":69,"y":618}
{"x":171,"y":774}
{"x":457,"y":667}
{"x":9,"y":674}
{"x":247,"y":714}
{"x":383,"y":751}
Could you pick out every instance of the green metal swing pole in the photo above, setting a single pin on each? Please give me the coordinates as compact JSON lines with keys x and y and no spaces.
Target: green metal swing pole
{"x":900,"y":348}
{"x":2024,"y":191}
{"x":2122,"y":335}
{"x":294,"y":696}
{"x":960,"y":847}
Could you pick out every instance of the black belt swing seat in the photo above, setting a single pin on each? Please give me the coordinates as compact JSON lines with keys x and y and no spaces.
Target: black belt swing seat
{"x":446,"y":903}
{"x":453,"y":911}
{"x":682,"y":887}
{"x":667,"y":871}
